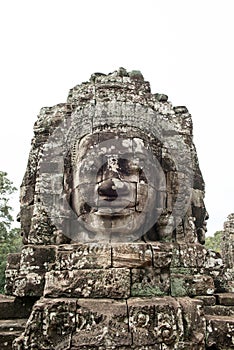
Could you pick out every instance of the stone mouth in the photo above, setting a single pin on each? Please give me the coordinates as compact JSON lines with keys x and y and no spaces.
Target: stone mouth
{"x":108,"y":211}
{"x":117,"y":203}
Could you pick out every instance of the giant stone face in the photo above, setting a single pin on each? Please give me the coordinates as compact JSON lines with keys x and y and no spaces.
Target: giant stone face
{"x":118,"y":185}
{"x":115,"y":163}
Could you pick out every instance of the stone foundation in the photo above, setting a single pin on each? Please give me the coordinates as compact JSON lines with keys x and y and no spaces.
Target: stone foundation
{"x":122,"y":296}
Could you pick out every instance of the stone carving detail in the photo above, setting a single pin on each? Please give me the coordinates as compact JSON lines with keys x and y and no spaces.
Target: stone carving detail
{"x":114,"y":163}
{"x":113,"y":223}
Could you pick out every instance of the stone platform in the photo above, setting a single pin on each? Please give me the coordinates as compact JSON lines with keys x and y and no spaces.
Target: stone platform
{"x":122,"y":296}
{"x":135,"y":323}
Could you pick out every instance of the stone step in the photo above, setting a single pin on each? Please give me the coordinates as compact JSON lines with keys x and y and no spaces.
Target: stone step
{"x":6,"y":339}
{"x":220,"y":331}
{"x":9,"y":330}
{"x":13,"y":325}
{"x":11,"y":307}
{"x":7,"y":307}
{"x":219,"y":310}
{"x":226,"y":299}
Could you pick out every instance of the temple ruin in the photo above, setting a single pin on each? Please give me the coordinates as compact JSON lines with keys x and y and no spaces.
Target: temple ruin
{"x":113,"y":223}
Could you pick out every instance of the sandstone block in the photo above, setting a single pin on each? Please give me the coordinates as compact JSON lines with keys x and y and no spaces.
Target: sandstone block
{"x":208,"y":300}
{"x":37,"y":258}
{"x":96,"y":283}
{"x":12,"y":269}
{"x":131,"y":255}
{"x":175,"y":259}
{"x":220,"y":310}
{"x":155,"y":320}
{"x":225,"y":299}
{"x":125,"y":347}
{"x":220,"y":331}
{"x":101,"y":323}
{"x":191,"y":285}
{"x":187,"y":346}
{"x":150,"y":282}
{"x":162,"y":254}
{"x":193,"y":320}
{"x":55,"y":331}
{"x":83,"y":256}
{"x":192,"y":255}
{"x":30,"y":284}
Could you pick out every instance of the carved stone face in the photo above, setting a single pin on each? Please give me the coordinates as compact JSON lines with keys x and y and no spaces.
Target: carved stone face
{"x":118,"y":186}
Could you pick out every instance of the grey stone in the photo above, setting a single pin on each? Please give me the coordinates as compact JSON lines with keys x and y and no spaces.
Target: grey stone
{"x":96,"y":283}
{"x":113,"y":222}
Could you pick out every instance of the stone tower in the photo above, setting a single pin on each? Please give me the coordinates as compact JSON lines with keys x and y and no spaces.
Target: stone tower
{"x":113,"y":223}
{"x":227,"y":246}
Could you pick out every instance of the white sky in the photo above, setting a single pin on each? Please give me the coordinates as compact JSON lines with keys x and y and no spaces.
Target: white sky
{"x":184,"y":48}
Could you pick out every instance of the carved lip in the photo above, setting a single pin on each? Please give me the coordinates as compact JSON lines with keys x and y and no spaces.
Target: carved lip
{"x":118,"y":203}
{"x":107,"y":211}
{"x":119,"y":207}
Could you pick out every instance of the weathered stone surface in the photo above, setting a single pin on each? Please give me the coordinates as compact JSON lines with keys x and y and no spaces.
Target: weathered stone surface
{"x":175,"y":261}
{"x":228,"y":242}
{"x":12,"y":269}
{"x":14,"y":313}
{"x":50,"y":325}
{"x":189,"y":346}
{"x":29,"y":284}
{"x":219,"y":310}
{"x":109,"y":324}
{"x":150,"y":282}
{"x":11,"y":308}
{"x":9,"y":330}
{"x":190,"y":285}
{"x":220,"y":332}
{"x":80,"y":256}
{"x":227,"y":249}
{"x":125,"y":347}
{"x":132,"y":255}
{"x":156,"y":320}
{"x":208,"y":300}
{"x":162,"y":254}
{"x":214,"y":267}
{"x":226,"y":299}
{"x":37,"y":258}
{"x":113,"y":283}
{"x":192,"y":255}
{"x":214,"y":262}
{"x":29,"y":278}
{"x":193,"y":320}
{"x":101,"y":323}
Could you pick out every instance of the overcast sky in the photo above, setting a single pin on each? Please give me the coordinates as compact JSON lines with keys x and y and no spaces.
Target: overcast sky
{"x":184,"y":48}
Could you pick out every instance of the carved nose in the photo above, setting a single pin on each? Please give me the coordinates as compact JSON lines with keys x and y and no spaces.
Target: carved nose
{"x":107,"y":189}
{"x":112,"y":188}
